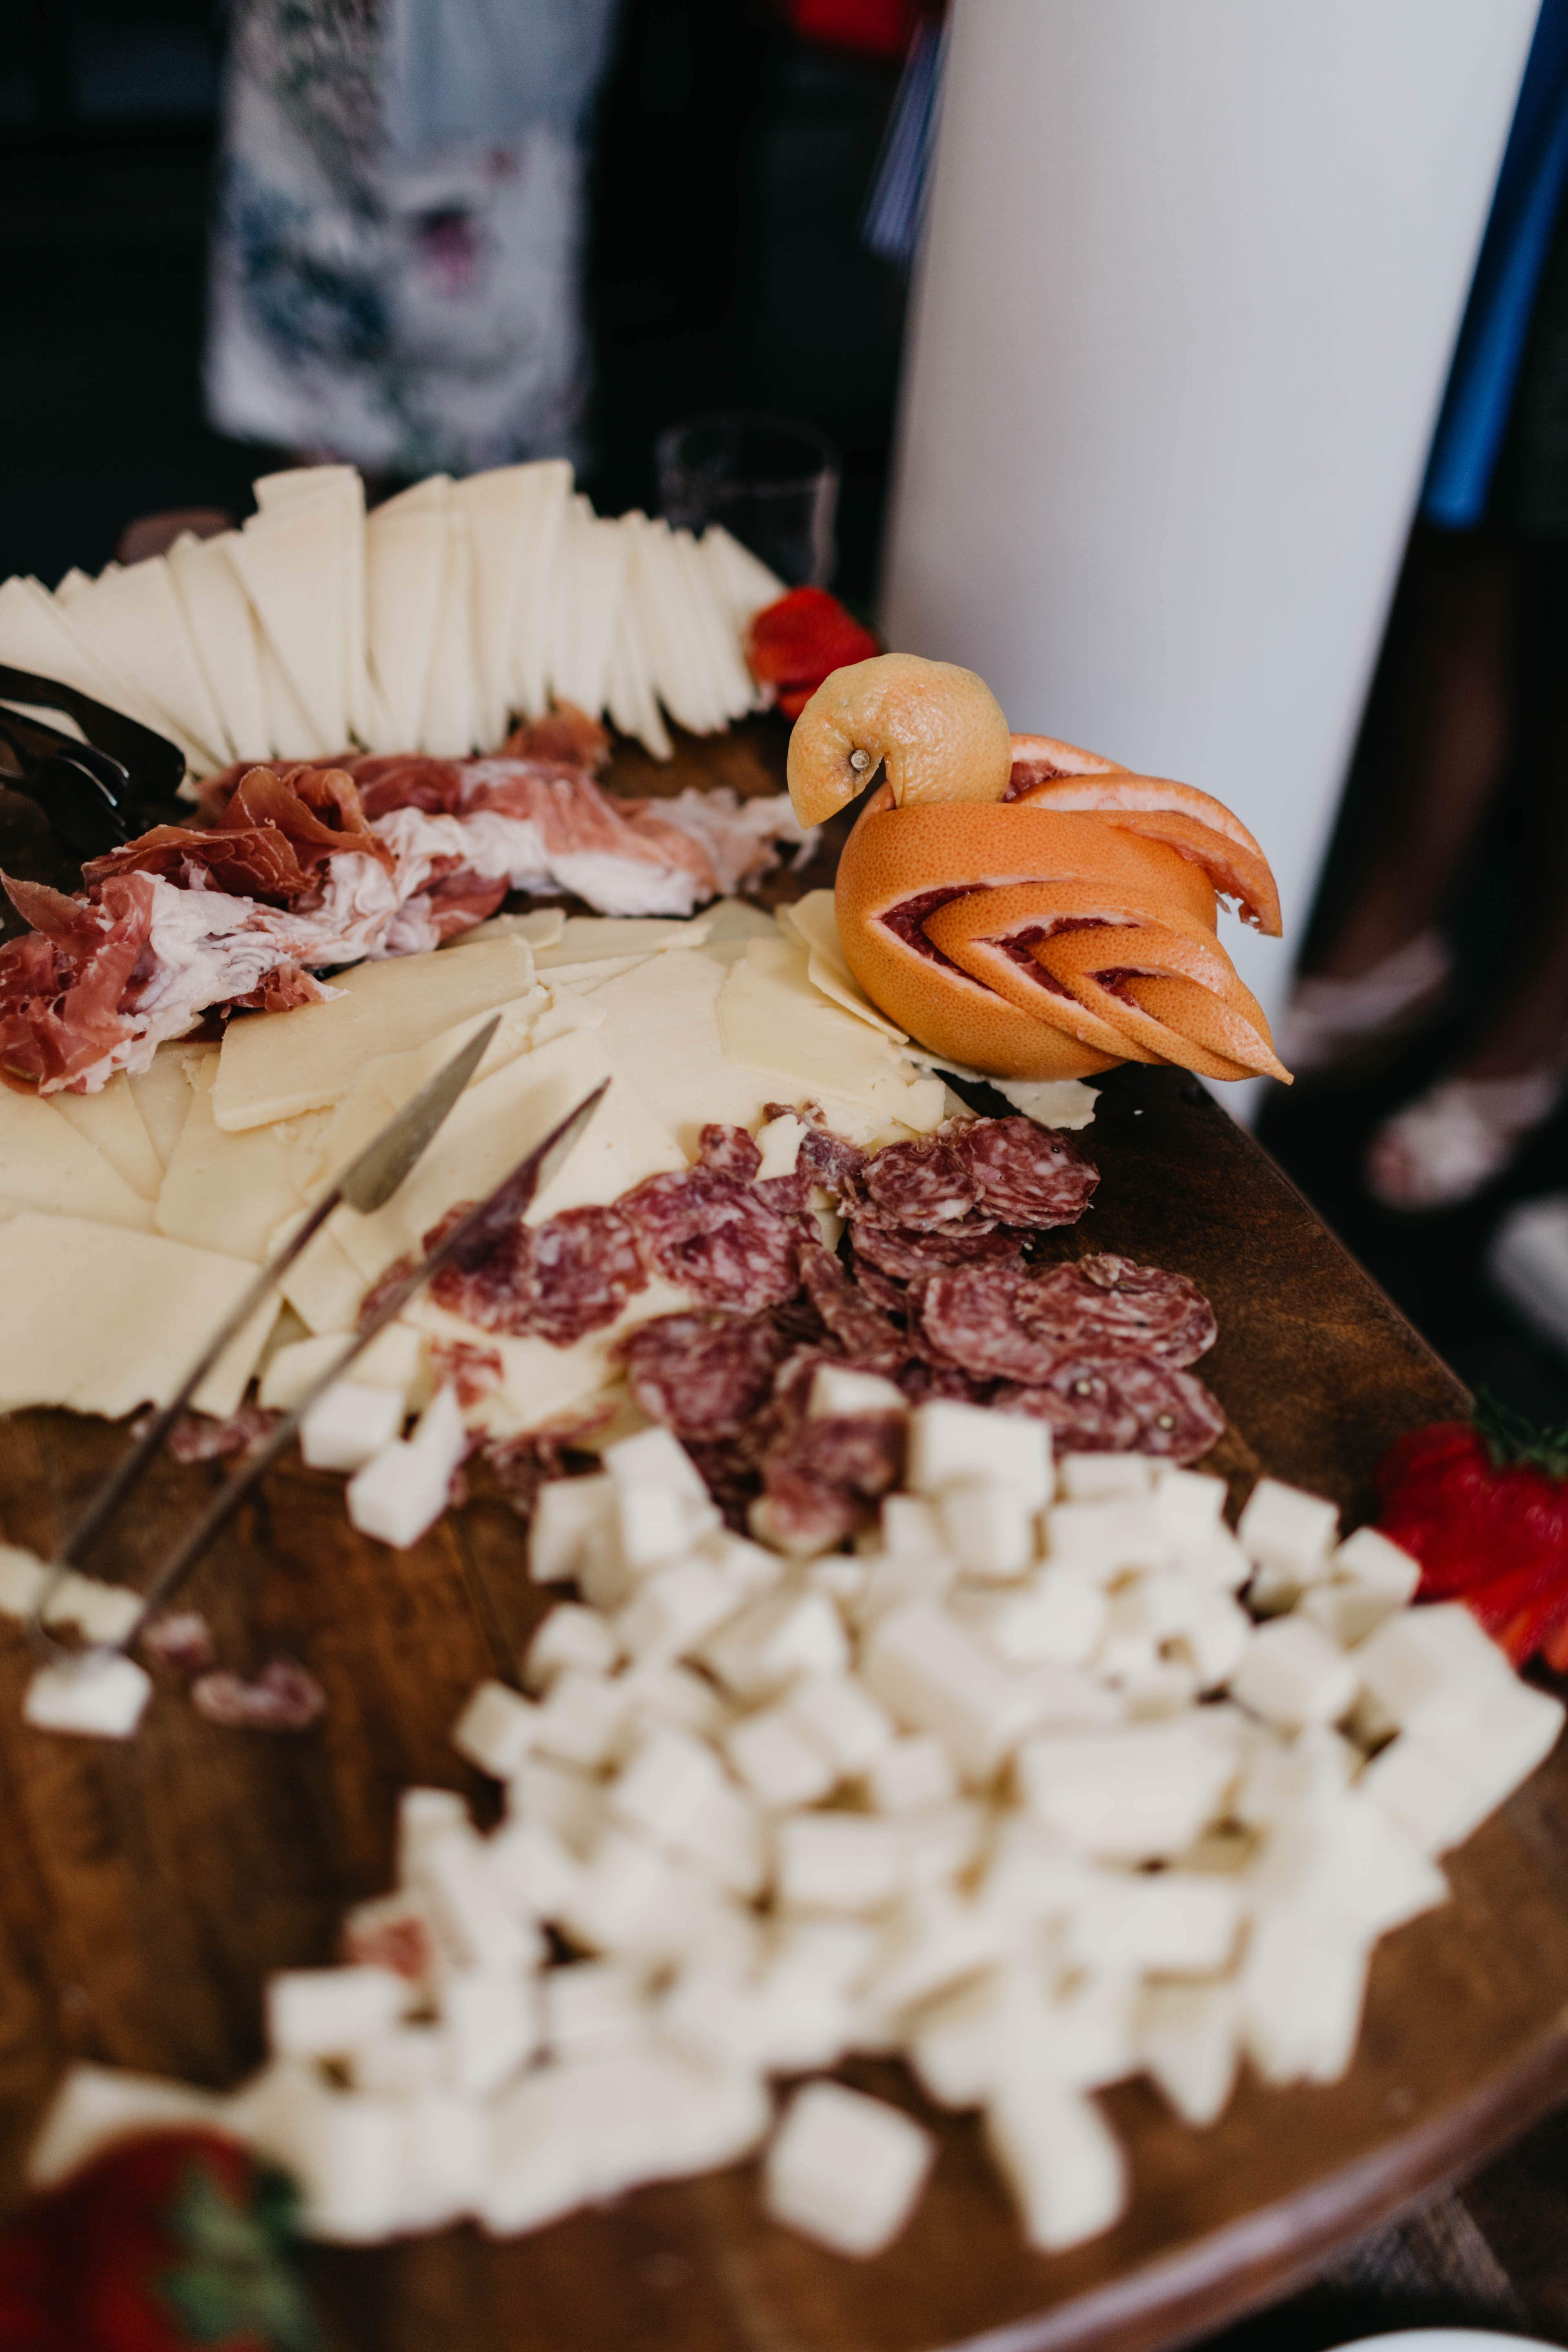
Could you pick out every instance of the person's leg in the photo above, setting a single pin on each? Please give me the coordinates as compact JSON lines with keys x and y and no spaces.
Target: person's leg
{"x":1449,"y":728}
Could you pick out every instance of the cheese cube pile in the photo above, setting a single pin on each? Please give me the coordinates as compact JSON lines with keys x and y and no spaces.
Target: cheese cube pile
{"x":1037,"y":1811}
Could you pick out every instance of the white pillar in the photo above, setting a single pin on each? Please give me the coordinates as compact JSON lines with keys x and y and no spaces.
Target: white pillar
{"x":1191,"y":281}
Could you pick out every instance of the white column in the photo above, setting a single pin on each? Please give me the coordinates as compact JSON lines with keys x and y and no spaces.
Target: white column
{"x":1192,"y":278}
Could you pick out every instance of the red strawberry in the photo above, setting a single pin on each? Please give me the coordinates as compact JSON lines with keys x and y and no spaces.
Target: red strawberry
{"x":796,"y":642}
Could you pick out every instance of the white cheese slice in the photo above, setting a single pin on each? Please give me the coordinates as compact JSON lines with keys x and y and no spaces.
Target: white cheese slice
{"x":450,"y":729}
{"x":163,"y":1092}
{"x":229,"y":1193}
{"x":591,"y":586}
{"x":543,"y":526}
{"x":134,"y":618}
{"x":490,"y":1131}
{"x":584,"y":938}
{"x":77,"y":583}
{"x":323,"y":1286}
{"x":111,"y":1121}
{"x":541,"y":928}
{"x":294,"y":560}
{"x":497,"y":505}
{"x":405,"y":559}
{"x":773,"y":1019}
{"x":101,"y":1320}
{"x":812,"y":922}
{"x":629,"y":693}
{"x":276,"y":1065}
{"x":710,"y":623}
{"x":36,"y":633}
{"x":223,"y":631}
{"x":742,"y":578}
{"x":679,"y":672}
{"x":289,"y":728}
{"x":384,"y":1085}
{"x":46,"y":1164}
{"x":1052,"y":1102}
{"x":541,"y":1386}
{"x":344,"y":484}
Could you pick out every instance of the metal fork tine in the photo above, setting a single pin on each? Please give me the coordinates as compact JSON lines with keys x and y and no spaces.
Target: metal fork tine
{"x":368,"y":1183}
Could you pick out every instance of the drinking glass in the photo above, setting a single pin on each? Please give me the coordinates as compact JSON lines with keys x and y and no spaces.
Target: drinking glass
{"x":771,"y":483}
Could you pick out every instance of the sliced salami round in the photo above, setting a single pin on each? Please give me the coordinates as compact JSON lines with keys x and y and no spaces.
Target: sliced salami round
{"x":825,"y":1159}
{"x":730,"y":1149}
{"x":1027,"y":1175}
{"x":705,"y":1375}
{"x":858,"y":1325}
{"x":924,"y":1187}
{"x":1120,"y":1405}
{"x":971,"y":1317}
{"x":905,"y":1255}
{"x":715,"y":1234}
{"x":1107,"y":1304}
{"x":557,"y":1281}
{"x":821,"y":1478}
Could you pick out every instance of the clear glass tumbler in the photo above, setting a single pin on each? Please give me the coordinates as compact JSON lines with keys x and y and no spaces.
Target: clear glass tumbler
{"x":771,"y":483}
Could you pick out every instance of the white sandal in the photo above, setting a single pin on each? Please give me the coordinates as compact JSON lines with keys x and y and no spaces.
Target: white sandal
{"x":1326,"y":1017}
{"x":1449,"y":1143}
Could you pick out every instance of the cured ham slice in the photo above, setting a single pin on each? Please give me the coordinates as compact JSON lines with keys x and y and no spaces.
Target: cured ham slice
{"x":297,"y":869}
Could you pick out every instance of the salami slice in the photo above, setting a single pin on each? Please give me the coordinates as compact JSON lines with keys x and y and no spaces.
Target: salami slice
{"x":714,"y":1232}
{"x":1110,"y":1305}
{"x":923,"y":1187}
{"x":905,"y":1255}
{"x":1120,"y":1405}
{"x":825,"y":1159}
{"x":1024,"y":1174}
{"x":730,"y":1149}
{"x":970,"y":1316}
{"x":858,"y":1325}
{"x":821,"y":1479}
{"x":557,"y":1281}
{"x":706,"y":1376}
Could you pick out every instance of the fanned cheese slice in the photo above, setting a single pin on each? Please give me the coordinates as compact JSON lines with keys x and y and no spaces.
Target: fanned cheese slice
{"x":629,"y":693}
{"x":711,"y":620}
{"x":36,"y":634}
{"x":111,"y":1121}
{"x":405,"y":562}
{"x":47,"y":1164}
{"x":294,"y":560}
{"x":291,"y":731}
{"x":812,"y":921}
{"x":773,"y":1020}
{"x":344,"y":484}
{"x":742,"y":579}
{"x":541,"y":928}
{"x":135,"y":620}
{"x":229,"y":1193}
{"x":276,"y":1065}
{"x":490,"y":1130}
{"x":543,"y":528}
{"x":680,"y":673}
{"x":223,"y":631}
{"x":384,"y":1085}
{"x":102,"y":1320}
{"x":323,"y":1286}
{"x":451,"y":723}
{"x":164,"y":1093}
{"x":585,"y":939}
{"x":499,"y":506}
{"x":592,"y":585}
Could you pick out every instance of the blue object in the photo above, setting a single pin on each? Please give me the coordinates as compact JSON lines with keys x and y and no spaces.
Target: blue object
{"x":896,"y":206}
{"x":1492,"y":342}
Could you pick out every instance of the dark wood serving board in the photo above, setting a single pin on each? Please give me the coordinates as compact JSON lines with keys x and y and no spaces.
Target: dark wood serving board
{"x":146,"y":1890}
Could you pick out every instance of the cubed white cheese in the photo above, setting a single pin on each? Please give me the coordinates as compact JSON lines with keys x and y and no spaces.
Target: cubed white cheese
{"x":571,"y":1804}
{"x":1103,"y":1538}
{"x":96,"y":1698}
{"x":331,"y":2013}
{"x":1344,"y":1868}
{"x":952,"y":1442}
{"x":934,"y":1676}
{"x":423,"y":1815}
{"x":1137,"y":1793}
{"x":1425,"y":1667}
{"x":1059,"y":2157}
{"x":403,"y":1491}
{"x":1169,"y":1922}
{"x":348,"y":1424}
{"x":849,"y":1862}
{"x":404,"y":2059}
{"x":490,"y":2023}
{"x":654,"y":1458}
{"x":910,"y":1527}
{"x":96,"y":2106}
{"x":1103,"y":1477}
{"x":1188,"y":1507}
{"x":594,"y":2008}
{"x":476,"y":1922}
{"x":675,"y":1789}
{"x":1439,"y":1784}
{"x":778,"y":1760}
{"x":1301,"y":1997}
{"x":495,"y":1730}
{"x":1060,"y":1616}
{"x":1189,"y":2041}
{"x":1288,"y":1531}
{"x":582,"y":1718}
{"x":898,"y":1578}
{"x":846,"y":2169}
{"x":835,"y":1392}
{"x":570,"y":1636}
{"x":840,"y":1716}
{"x":674,"y":1609}
{"x":1292,"y":1675}
{"x":988,"y":1528}
{"x":775,"y":1641}
{"x":1369,"y":1560}
{"x":531,"y":1869}
{"x":566,"y":1512}
{"x":911,"y":1774}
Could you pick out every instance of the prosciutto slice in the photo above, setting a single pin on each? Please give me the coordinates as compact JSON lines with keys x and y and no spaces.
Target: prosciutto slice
{"x":297,"y":869}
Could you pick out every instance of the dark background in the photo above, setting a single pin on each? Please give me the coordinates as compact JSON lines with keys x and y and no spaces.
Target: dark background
{"x":727,"y":271}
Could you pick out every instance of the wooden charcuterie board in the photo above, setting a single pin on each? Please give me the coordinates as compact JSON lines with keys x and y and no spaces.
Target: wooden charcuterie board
{"x":148,"y":1889}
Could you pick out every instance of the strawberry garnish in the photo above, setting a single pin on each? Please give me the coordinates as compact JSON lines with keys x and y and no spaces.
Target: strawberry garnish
{"x":794,"y":644}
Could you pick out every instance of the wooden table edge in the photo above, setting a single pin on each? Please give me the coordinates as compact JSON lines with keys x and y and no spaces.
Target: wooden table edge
{"x":1275,"y":2250}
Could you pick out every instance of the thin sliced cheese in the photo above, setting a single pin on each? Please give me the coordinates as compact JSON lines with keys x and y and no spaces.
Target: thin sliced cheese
{"x":592,"y":585}
{"x":294,"y":560}
{"x":405,"y":562}
{"x":451,"y":722}
{"x":344,"y":484}
{"x":229,"y":1193}
{"x":541,"y":928}
{"x":812,"y":922}
{"x":499,"y":506}
{"x":541,"y":1386}
{"x":323,"y":1286}
{"x":289,"y":728}
{"x":710,"y":615}
{"x":678,"y":671}
{"x":36,"y":634}
{"x":587,"y":939}
{"x":384,"y":1085}
{"x":490,"y":1130}
{"x":164,"y":1093}
{"x":630,"y":697}
{"x":542,"y":530}
{"x":133,"y":617}
{"x":111,"y":1121}
{"x":276,"y":1065}
{"x":741,"y":578}
{"x":222,"y":630}
{"x":773,"y":1020}
{"x":102,"y":1320}
{"x":45,"y":1163}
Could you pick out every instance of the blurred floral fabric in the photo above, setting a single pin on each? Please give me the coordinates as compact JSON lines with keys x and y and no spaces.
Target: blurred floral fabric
{"x":397,"y":243}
